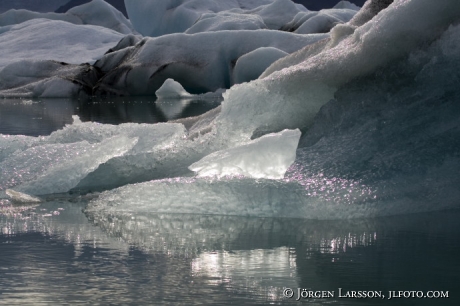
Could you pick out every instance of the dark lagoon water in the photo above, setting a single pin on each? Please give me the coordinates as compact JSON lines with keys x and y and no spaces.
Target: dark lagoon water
{"x":54,"y":254}
{"x":34,"y":117}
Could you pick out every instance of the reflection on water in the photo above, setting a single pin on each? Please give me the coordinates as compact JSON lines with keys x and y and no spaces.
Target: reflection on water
{"x":34,"y":117}
{"x":53,"y":254}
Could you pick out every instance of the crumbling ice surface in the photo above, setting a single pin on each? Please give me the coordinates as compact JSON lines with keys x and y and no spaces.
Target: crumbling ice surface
{"x":57,"y":163}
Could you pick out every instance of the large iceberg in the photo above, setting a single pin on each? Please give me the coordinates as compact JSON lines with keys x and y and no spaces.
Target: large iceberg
{"x":159,"y":17}
{"x":45,"y":39}
{"x":196,"y":61}
{"x":38,"y":6}
{"x":375,"y":101}
{"x":96,"y":12}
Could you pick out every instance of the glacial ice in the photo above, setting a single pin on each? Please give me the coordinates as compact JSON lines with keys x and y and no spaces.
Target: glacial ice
{"x":171,"y":90}
{"x":356,"y":158}
{"x":323,"y":21}
{"x":21,"y":198}
{"x":96,"y":12}
{"x":46,"y":78}
{"x":375,"y":102}
{"x":159,"y":17}
{"x":226,"y":21}
{"x":197,"y":61}
{"x":346,"y":5}
{"x":252,"y":64}
{"x":45,"y":6}
{"x":57,"y":163}
{"x":266,"y":157}
{"x":44,"y":39}
{"x":100,"y":13}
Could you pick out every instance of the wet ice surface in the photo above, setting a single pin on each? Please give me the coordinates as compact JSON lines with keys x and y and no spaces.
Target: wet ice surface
{"x":53,"y":254}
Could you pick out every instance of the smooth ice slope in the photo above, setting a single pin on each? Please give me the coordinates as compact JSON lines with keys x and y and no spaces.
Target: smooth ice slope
{"x":12,"y":17}
{"x":251,"y":65}
{"x":226,"y":21}
{"x":44,"y":39}
{"x":290,"y":98}
{"x":99,"y":12}
{"x":323,"y":21}
{"x":266,"y":157}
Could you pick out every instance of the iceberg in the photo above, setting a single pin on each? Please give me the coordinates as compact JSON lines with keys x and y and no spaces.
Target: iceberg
{"x":46,"y":6}
{"x":374,"y":101}
{"x":196,"y":61}
{"x":96,"y":12}
{"x":171,"y":90}
{"x":351,"y":162}
{"x":21,"y":198}
{"x":57,"y":163}
{"x":44,"y":39}
{"x":160,"y":17}
{"x":226,"y":21}
{"x":46,"y":78}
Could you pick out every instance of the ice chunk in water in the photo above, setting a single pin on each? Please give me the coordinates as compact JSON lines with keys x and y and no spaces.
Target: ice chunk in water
{"x":171,"y":89}
{"x":266,"y":157}
{"x":55,"y":168}
{"x":21,"y":198}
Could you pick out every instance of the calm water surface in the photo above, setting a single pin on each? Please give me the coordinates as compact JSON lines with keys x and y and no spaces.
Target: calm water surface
{"x":34,"y":117}
{"x":54,"y":254}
